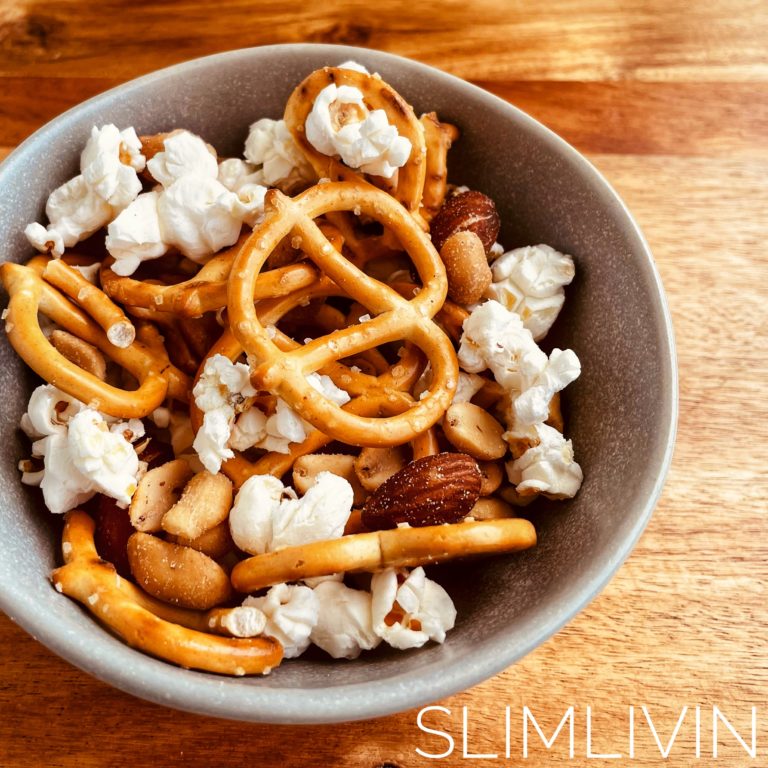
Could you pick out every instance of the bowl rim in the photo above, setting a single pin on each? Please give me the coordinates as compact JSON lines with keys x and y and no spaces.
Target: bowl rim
{"x":392,"y":694}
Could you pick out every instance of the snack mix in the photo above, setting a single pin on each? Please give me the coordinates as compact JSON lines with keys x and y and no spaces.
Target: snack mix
{"x":277,"y":386}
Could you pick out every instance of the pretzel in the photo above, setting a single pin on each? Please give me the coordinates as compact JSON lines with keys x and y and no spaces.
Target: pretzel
{"x":284,"y":373}
{"x":206,"y":291}
{"x":378,"y":550}
{"x":30,"y":294}
{"x":145,"y":623}
{"x":377,"y":95}
{"x":438,"y":138}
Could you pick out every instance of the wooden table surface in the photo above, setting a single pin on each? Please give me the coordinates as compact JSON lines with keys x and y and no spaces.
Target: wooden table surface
{"x":669,"y":98}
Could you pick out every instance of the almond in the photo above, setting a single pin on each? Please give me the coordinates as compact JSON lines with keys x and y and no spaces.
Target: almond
{"x":468,"y":211}
{"x":429,"y":491}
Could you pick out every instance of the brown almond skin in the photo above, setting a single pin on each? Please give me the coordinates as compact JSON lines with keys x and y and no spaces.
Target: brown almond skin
{"x":429,"y":491}
{"x":468,"y":211}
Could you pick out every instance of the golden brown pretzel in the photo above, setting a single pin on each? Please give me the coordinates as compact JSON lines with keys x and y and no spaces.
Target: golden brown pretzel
{"x":377,"y":95}
{"x":377,"y":550}
{"x":132,"y":614}
{"x":284,"y":373}
{"x":438,"y":138}
{"x":30,"y":294}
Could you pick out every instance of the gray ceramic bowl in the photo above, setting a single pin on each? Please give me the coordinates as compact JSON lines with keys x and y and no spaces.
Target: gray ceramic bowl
{"x":620,"y":413}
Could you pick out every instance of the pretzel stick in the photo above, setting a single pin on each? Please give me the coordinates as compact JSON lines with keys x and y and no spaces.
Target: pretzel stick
{"x":393,"y":548}
{"x":29,"y":294}
{"x":95,"y":302}
{"x":94,"y":583}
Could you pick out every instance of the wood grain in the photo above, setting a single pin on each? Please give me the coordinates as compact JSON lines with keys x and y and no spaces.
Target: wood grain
{"x":669,"y":100}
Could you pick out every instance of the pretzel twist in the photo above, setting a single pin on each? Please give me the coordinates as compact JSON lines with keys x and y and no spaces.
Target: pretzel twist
{"x":133,"y":615}
{"x":377,"y":95}
{"x":284,"y":373}
{"x":30,"y":294}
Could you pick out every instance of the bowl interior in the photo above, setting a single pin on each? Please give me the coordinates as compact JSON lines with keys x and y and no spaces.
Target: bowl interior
{"x":620,"y":413}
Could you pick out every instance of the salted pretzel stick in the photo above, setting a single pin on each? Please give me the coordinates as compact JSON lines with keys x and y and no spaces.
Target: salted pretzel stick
{"x":284,"y":373}
{"x":377,"y":95}
{"x":30,"y":294}
{"x":95,"y":302}
{"x":377,"y":550}
{"x":95,"y":583}
{"x":438,"y":138}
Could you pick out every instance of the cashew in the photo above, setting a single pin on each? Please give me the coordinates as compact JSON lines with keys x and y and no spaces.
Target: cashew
{"x":307,"y":467}
{"x":374,"y":465}
{"x":177,"y":575}
{"x":204,"y":503}
{"x":474,"y":431}
{"x":80,"y":352}
{"x":157,"y":492}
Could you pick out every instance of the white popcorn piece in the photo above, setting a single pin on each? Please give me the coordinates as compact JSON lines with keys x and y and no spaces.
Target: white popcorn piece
{"x":103,"y":456}
{"x":249,"y":430}
{"x":272,"y":148}
{"x":354,"y":66}
{"x":409,"y":609}
{"x":134,"y":236}
{"x":495,"y":338}
{"x":242,"y":179}
{"x":75,"y":212}
{"x":267,"y":517}
{"x":530,"y":281}
{"x":222,"y":385}
{"x":109,"y":164}
{"x":291,"y":612}
{"x":345,"y":621}
{"x":548,"y":468}
{"x":183,"y":154}
{"x":341,"y":124}
{"x":91,"y":273}
{"x":199,"y":216}
{"x":82,"y":452}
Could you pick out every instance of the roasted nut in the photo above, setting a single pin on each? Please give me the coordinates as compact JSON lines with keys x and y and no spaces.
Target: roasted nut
{"x":375,"y":465}
{"x":176,"y":574}
{"x":474,"y":431}
{"x":156,"y":493}
{"x":205,"y":503}
{"x":80,"y":353}
{"x":471,"y":211}
{"x":491,"y":508}
{"x":429,"y":491}
{"x":215,"y":542}
{"x":511,"y":496}
{"x":466,"y":266}
{"x":492,"y":473}
{"x":306,"y":469}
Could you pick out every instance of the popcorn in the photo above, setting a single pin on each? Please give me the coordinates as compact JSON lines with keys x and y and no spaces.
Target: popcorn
{"x":468,"y":386}
{"x":183,"y":154}
{"x":495,"y":338}
{"x":529,"y":281}
{"x":267,"y":517}
{"x":242,"y":179}
{"x":221,"y":387}
{"x":344,"y":626}
{"x":341,"y":124}
{"x":199,"y":216}
{"x":134,"y":236}
{"x":547,"y":468}
{"x":291,"y":612}
{"x":354,"y":66}
{"x":82,"y":454}
{"x":271,"y":146}
{"x":109,"y":164}
{"x":84,"y":204}
{"x":410,"y":609}
{"x":253,"y":429}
